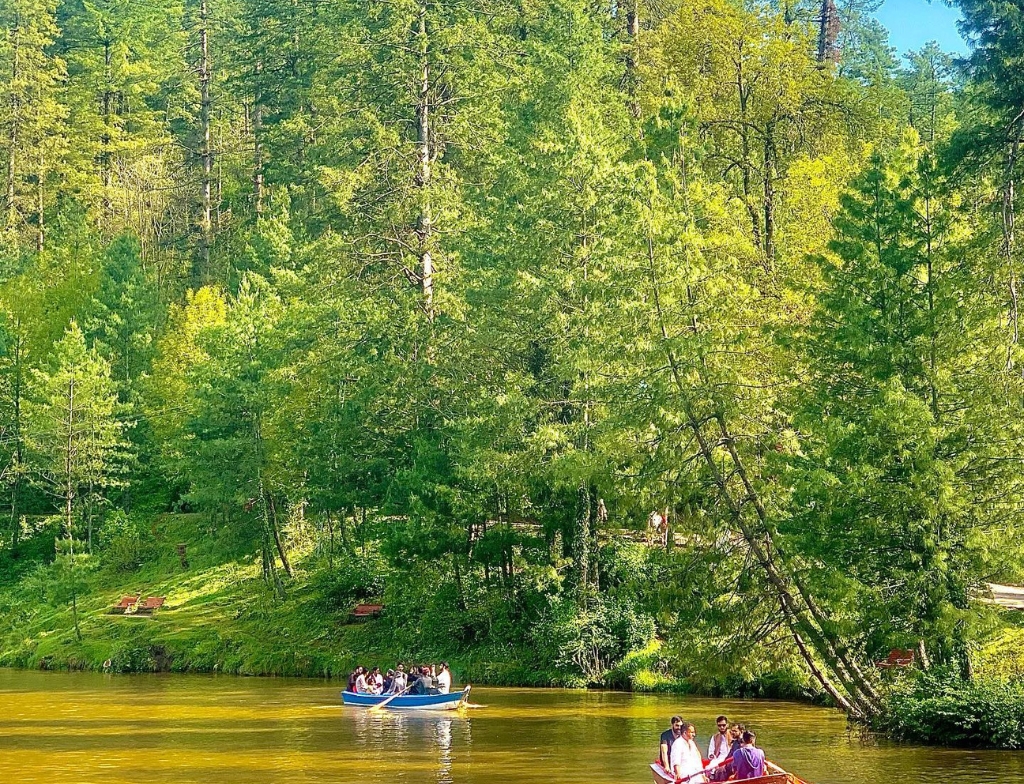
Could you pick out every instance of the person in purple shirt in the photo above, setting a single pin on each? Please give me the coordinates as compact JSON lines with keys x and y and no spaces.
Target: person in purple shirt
{"x":748,"y":760}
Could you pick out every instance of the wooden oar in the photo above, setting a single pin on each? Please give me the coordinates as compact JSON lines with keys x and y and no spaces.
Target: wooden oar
{"x":684,"y":778}
{"x":381,"y":705}
{"x":777,"y":769}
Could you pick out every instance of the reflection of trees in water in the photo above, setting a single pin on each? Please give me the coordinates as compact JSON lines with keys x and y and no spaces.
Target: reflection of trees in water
{"x":444,"y":745}
{"x":396,"y":736}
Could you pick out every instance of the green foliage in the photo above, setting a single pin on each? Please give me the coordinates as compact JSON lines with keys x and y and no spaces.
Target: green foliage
{"x":350,"y":580}
{"x":940,"y":708}
{"x":124,"y":541}
{"x":131,"y":656}
{"x":440,"y":303}
{"x":584,"y":644}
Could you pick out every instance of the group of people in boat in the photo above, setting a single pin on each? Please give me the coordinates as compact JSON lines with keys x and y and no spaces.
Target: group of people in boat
{"x":425,"y":679}
{"x":732,"y":753}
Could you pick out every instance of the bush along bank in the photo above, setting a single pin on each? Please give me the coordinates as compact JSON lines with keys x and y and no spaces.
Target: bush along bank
{"x":940,"y":708}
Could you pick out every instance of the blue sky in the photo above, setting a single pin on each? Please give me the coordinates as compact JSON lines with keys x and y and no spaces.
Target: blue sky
{"x":912,"y":23}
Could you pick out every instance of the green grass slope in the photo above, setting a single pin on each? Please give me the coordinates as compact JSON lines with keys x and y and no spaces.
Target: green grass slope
{"x":220,"y":616}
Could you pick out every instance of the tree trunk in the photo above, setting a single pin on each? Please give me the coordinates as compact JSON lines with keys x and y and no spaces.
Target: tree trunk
{"x":746,"y":163}
{"x":1009,"y":248}
{"x":276,"y":530}
{"x":769,"y":196}
{"x":40,"y":203}
{"x":69,"y":503}
{"x":19,"y":457}
{"x":828,"y":33}
{"x":202,"y":274}
{"x":257,"y":143}
{"x":330,"y":535}
{"x":933,"y":382}
{"x":858,"y":700}
{"x":460,"y":600}
{"x":106,"y":156}
{"x":632,"y":76}
{"x":14,"y":106}
{"x":424,"y":226}
{"x":581,"y":542}
{"x":922,"y":655}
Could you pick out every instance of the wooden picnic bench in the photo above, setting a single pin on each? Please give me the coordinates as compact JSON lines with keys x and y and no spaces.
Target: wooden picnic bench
{"x":151,"y":605}
{"x":364,"y":611}
{"x":898,"y":657}
{"x":136,"y":605}
{"x":122,"y":607}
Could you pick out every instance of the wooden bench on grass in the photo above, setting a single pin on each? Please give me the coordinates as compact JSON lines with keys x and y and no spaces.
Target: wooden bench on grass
{"x":136,"y":605}
{"x":151,"y":605}
{"x":122,"y":607}
{"x":897,"y":658}
{"x":365,"y":611}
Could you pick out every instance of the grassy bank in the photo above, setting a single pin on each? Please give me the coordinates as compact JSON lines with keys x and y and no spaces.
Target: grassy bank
{"x":221,"y":616}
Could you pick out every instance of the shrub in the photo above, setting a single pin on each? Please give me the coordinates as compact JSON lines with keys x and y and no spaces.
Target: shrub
{"x":132,"y":656}
{"x":353,"y":579}
{"x":584,"y":644}
{"x":123,"y":539}
{"x":940,"y":708}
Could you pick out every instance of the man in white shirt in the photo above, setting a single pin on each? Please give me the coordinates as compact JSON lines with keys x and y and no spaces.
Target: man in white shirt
{"x":444,"y":679}
{"x":686,"y":761}
{"x":720,"y":747}
{"x":401,"y":681}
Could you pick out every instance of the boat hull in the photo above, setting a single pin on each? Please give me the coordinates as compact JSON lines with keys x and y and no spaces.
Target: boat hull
{"x":661,"y":777}
{"x":416,"y":702}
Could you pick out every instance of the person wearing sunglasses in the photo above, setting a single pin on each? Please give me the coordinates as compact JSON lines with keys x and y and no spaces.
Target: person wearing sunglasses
{"x":720,"y":749}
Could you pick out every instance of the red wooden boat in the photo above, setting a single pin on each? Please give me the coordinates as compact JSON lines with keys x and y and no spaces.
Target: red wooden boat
{"x":776,"y":776}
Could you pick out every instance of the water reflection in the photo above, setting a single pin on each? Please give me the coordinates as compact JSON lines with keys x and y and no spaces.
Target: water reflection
{"x":401,"y":737}
{"x":83,"y":729}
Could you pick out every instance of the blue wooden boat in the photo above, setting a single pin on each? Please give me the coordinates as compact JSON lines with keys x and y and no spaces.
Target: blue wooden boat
{"x":426,"y":702}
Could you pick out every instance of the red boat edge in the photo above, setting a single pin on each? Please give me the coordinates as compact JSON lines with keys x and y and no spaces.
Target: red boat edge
{"x":661,"y":776}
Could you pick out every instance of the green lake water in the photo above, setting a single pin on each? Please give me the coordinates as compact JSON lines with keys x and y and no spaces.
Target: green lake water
{"x":83,"y":728}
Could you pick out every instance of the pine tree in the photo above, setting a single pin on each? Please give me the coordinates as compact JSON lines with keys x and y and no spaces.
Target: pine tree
{"x":33,"y":115}
{"x":77,"y":448}
{"x":889,"y":487}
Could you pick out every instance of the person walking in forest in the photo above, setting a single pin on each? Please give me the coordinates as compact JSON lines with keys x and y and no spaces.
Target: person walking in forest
{"x":668,"y":738}
{"x":748,"y":760}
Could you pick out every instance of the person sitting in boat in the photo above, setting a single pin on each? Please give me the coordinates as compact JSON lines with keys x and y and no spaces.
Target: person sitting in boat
{"x":720,"y":749}
{"x":687,"y":764}
{"x":425,"y":684}
{"x":354,"y":678}
{"x":748,"y":760}
{"x":400,"y":682}
{"x":668,"y":738}
{"x":444,"y":679}
{"x":389,"y":682}
{"x":376,"y":681}
{"x":363,"y":682}
{"x":736,"y":731}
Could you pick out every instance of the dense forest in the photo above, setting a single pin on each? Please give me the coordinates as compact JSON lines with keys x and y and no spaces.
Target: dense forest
{"x":661,"y":344}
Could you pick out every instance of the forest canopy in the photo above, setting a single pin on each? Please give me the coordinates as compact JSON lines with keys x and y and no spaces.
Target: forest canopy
{"x":638,"y":339}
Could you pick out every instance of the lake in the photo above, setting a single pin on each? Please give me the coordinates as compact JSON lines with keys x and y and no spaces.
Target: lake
{"x":84,"y":728}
